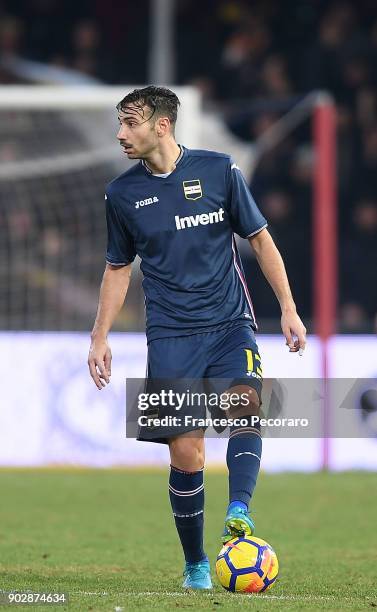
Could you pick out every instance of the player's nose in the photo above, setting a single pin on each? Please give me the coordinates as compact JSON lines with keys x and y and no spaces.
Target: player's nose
{"x":121,"y":133}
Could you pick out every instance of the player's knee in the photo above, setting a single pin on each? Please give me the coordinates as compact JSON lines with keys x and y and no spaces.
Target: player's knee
{"x":248,"y":404}
{"x":187,"y":453}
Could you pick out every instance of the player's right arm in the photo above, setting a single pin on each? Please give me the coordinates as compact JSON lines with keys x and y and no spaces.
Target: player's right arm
{"x":113,"y":292}
{"x":119,"y":256}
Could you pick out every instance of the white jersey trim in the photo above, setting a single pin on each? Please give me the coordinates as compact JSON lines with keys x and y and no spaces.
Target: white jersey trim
{"x":257,"y":231}
{"x":116,"y":264}
{"x":243,"y":282}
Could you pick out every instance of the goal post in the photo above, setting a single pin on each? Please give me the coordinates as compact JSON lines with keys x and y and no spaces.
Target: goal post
{"x":325,"y":245}
{"x":325,"y":260}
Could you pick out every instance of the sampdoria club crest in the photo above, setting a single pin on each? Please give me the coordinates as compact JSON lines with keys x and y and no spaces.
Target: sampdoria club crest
{"x":192,"y":189}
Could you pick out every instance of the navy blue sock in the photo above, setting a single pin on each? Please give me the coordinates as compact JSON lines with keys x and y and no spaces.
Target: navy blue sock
{"x":243,"y":461}
{"x":186,"y":492}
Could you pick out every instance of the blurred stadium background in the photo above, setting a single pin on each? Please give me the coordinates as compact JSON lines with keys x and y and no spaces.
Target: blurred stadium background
{"x":253,"y":78}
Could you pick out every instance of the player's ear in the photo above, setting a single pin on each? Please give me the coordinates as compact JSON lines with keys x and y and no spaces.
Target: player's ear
{"x":163,"y":126}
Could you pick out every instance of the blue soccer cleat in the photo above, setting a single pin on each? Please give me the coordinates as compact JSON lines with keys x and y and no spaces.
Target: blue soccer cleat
{"x":238,"y":523}
{"x":197,"y":575}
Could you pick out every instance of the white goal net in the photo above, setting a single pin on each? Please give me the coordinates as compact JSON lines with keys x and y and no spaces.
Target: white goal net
{"x":57,"y":151}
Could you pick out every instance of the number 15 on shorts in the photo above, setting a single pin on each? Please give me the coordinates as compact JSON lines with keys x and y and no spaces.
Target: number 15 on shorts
{"x":253,"y":364}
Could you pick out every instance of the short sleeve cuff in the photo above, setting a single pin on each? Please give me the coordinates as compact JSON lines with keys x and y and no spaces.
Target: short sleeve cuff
{"x":117,"y":263}
{"x":257,"y":231}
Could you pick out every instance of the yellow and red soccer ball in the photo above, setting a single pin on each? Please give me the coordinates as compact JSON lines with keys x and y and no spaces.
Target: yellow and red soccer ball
{"x":247,"y":565}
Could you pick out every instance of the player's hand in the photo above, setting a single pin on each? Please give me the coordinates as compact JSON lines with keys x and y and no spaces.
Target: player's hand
{"x":293,"y":327}
{"x":99,"y":362}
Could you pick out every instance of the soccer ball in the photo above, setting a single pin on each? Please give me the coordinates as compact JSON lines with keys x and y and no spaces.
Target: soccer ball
{"x":247,"y":565}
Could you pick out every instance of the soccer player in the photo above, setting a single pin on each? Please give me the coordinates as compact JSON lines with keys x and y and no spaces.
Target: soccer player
{"x":179,"y":209}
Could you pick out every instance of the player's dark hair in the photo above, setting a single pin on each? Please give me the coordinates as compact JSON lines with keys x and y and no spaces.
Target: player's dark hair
{"x":162,"y":101}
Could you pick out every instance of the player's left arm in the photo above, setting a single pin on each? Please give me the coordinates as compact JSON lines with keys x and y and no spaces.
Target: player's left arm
{"x":272,"y":266}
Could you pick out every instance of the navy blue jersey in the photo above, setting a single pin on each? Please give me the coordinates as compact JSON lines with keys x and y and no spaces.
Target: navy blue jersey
{"x":182,"y":227}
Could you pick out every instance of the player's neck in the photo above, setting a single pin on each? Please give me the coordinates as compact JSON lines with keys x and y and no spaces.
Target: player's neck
{"x":163,"y":160}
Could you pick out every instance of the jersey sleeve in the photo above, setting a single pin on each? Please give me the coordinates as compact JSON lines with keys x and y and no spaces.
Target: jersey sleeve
{"x":246,"y":218}
{"x":120,"y":245}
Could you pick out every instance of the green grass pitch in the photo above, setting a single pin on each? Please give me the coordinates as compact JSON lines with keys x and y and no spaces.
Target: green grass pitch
{"x":107,"y":538}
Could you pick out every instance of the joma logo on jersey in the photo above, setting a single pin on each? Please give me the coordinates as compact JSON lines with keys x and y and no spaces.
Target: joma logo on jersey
{"x":192,"y":189}
{"x":195,"y":220}
{"x":146,"y":202}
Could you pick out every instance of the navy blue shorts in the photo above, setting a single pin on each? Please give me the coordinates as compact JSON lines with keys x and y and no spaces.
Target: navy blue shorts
{"x":230,"y":354}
